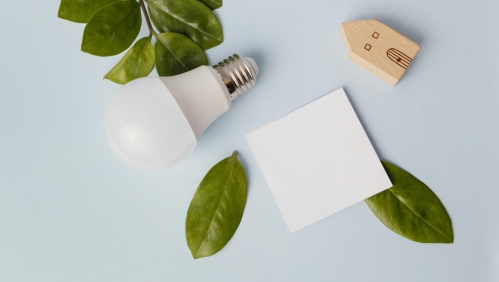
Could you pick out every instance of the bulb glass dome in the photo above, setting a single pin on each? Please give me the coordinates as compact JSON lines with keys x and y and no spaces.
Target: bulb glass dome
{"x":145,"y":126}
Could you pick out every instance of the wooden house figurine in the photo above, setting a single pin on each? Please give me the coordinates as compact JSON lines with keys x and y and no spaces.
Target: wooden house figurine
{"x":378,"y":48}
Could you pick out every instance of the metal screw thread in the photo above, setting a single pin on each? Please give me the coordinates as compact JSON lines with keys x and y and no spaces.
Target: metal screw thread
{"x":237,"y":74}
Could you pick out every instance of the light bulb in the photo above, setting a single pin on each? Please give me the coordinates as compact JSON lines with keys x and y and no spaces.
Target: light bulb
{"x":155,"y":122}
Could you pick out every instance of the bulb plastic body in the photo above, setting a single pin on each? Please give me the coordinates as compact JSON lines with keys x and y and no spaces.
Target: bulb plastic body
{"x":155,"y":122}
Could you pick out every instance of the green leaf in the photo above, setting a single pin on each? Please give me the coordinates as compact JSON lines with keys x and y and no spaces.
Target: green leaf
{"x":81,"y":11}
{"x":216,"y":208}
{"x":411,"y":209}
{"x":213,"y":4}
{"x":188,"y":17}
{"x":176,"y":54}
{"x":137,"y":62}
{"x":112,"y":29}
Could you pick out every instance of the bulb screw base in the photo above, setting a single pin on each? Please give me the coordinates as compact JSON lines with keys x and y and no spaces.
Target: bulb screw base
{"x":238,"y":74}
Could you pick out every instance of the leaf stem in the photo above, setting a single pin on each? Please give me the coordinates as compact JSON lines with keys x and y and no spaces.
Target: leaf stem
{"x":148,"y":20}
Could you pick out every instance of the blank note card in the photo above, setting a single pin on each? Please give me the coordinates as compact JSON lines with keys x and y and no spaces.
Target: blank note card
{"x":318,"y":160}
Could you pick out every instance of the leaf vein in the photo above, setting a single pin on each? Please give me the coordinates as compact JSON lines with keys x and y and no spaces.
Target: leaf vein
{"x":419,"y":216}
{"x":164,"y":44}
{"x":74,"y":7}
{"x":213,"y":1}
{"x":218,"y":206}
{"x":116,"y":27}
{"x":173,"y":16}
{"x":128,"y":63}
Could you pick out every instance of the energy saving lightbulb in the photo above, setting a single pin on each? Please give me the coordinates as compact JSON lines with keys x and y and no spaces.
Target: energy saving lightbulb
{"x":155,"y":122}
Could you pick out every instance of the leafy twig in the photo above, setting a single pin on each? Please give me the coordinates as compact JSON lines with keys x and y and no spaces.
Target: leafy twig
{"x":148,"y":20}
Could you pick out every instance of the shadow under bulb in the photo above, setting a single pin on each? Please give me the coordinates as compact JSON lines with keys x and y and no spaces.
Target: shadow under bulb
{"x":155,"y":122}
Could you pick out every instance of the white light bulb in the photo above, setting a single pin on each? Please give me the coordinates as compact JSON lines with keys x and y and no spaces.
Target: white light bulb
{"x":155,"y":122}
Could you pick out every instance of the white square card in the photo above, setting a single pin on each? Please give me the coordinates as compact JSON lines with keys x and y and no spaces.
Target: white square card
{"x":318,"y":160}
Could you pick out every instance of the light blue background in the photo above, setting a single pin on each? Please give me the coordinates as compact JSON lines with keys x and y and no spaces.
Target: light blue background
{"x":71,"y":211}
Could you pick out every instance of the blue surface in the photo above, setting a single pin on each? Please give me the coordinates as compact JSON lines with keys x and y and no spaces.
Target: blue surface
{"x":71,"y":211}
